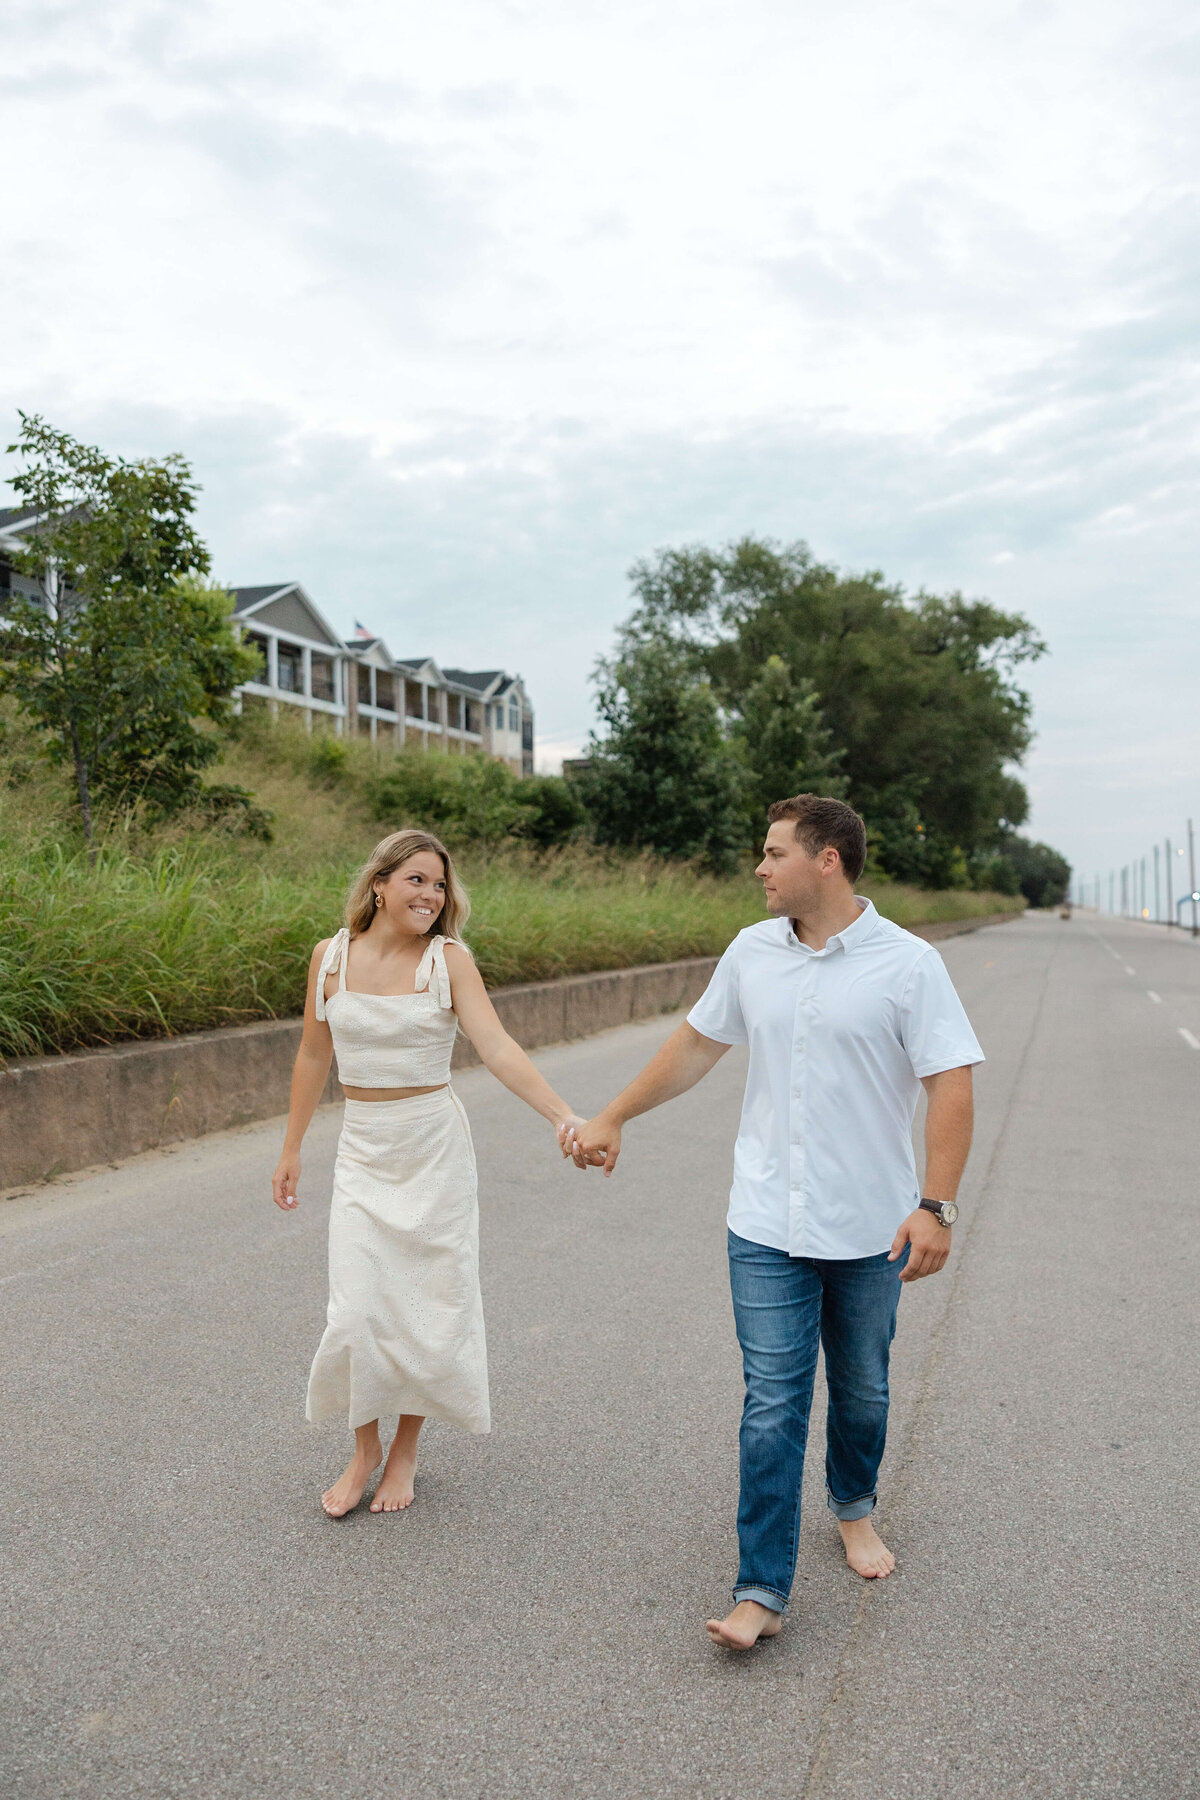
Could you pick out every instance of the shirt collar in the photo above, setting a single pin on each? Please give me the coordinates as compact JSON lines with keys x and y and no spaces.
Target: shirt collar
{"x":854,"y":934}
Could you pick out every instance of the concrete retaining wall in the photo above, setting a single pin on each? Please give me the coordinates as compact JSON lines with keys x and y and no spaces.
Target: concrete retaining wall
{"x":59,"y":1113}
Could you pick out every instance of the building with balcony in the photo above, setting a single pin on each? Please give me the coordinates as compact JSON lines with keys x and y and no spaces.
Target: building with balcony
{"x":348,"y":686}
{"x":357,"y":686}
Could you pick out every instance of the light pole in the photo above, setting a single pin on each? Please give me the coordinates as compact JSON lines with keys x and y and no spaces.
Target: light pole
{"x":1111,"y":880}
{"x":1156,"y":906}
{"x":1167,"y":866}
{"x":1142,"y":907}
{"x":1192,"y":877}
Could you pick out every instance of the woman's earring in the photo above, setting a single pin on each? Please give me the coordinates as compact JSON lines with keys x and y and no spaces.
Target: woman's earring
{"x":379,"y":899}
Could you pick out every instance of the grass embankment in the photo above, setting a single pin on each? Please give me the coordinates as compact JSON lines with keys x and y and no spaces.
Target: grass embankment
{"x":183,"y":930}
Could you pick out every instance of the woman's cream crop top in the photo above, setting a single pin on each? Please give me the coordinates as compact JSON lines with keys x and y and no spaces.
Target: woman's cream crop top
{"x":390,"y":1040}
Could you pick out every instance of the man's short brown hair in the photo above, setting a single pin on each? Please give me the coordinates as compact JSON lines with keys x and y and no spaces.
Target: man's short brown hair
{"x":826,"y":824}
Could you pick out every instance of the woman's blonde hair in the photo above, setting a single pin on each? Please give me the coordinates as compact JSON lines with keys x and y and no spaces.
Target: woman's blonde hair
{"x":384,"y":860}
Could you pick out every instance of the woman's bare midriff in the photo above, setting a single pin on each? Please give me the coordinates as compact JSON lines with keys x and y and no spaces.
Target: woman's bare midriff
{"x":392,"y":1093}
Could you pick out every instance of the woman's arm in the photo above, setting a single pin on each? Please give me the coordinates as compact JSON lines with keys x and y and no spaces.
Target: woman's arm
{"x":499,"y":1052}
{"x":309,"y":1076}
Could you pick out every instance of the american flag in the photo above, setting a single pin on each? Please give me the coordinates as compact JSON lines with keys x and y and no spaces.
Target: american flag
{"x":361,"y":631}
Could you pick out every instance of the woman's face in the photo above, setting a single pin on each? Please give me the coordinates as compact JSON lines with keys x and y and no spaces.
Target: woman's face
{"x":414,"y":894}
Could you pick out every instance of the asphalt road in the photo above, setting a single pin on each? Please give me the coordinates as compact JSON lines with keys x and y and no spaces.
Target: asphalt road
{"x":179,"y":1618}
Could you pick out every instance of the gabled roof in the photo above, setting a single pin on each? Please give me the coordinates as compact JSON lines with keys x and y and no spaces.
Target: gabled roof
{"x":248,"y":602}
{"x":20,"y":522}
{"x":480,"y":681}
{"x":421,"y":665}
{"x":246,"y":597}
{"x":372,"y":650}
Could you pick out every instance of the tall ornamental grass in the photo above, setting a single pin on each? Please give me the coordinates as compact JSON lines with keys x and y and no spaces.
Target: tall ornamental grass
{"x":205,"y":932}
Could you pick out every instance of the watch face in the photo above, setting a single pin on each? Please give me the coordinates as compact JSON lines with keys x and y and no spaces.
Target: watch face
{"x":949,"y":1212}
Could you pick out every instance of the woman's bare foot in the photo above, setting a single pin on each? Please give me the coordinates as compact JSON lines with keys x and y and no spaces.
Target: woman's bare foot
{"x":395,"y":1491}
{"x":745,"y":1625}
{"x":866,"y":1551}
{"x":345,"y":1494}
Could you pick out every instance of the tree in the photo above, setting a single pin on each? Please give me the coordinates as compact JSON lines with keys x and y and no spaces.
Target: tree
{"x":917,"y":693}
{"x":551,"y":810}
{"x":1042,"y":874}
{"x":784,"y":742}
{"x":465,"y":799}
{"x":665,"y":776}
{"x":126,"y":650}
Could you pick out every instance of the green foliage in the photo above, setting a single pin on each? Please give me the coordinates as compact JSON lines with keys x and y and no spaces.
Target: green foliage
{"x":917,"y":695}
{"x":1041,"y":874}
{"x":129,"y":657}
{"x":785,"y":743}
{"x":328,"y":758}
{"x":197,"y":933}
{"x":551,"y":811}
{"x":665,"y":777}
{"x":171,"y":931}
{"x":472,"y":801}
{"x":232,"y":809}
{"x":998,"y":874}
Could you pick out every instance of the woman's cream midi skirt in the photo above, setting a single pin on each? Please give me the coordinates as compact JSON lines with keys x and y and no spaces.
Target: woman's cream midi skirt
{"x":405,"y":1321}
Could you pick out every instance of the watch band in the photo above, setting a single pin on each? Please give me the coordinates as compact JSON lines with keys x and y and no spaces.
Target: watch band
{"x":935,"y":1207}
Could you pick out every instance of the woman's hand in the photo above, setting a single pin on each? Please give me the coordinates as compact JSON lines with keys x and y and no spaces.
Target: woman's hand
{"x":284,"y":1183}
{"x":567,"y":1132}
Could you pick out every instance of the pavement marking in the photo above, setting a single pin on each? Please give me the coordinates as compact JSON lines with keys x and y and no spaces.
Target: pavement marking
{"x":1130,"y":971}
{"x":1188,"y":1038}
{"x":1157,"y":998}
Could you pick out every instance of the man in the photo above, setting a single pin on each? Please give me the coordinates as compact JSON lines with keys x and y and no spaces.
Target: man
{"x":847,"y":1018}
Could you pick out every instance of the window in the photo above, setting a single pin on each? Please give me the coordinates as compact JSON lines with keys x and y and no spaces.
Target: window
{"x":412,"y":700}
{"x":514,"y":721}
{"x":454,"y":711}
{"x":291,"y":669}
{"x":498,"y":717}
{"x":364,"y":686}
{"x":259,"y":647}
{"x":385,"y":691}
{"x":322,"y":678}
{"x":527,"y":734}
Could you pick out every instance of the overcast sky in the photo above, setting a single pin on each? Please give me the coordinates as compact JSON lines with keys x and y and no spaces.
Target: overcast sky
{"x":458,"y":310}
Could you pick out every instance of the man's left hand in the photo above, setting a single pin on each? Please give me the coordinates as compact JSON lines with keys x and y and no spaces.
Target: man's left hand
{"x":929,"y":1245}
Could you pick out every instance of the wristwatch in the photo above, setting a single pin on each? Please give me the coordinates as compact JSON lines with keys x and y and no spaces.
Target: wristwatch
{"x":945,"y":1211}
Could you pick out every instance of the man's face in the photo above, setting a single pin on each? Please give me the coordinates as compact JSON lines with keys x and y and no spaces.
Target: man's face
{"x":792,"y":879}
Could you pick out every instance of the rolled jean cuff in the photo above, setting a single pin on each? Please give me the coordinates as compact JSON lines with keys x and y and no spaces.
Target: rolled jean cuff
{"x":850,"y":1509}
{"x":762,"y":1597}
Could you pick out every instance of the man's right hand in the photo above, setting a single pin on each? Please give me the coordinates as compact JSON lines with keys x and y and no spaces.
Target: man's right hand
{"x":597,"y":1144}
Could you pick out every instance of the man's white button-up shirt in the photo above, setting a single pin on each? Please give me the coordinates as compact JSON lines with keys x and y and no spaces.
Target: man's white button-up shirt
{"x":839,"y":1041}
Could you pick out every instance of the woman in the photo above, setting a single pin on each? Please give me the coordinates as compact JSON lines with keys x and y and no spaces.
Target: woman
{"x":405,"y":1322}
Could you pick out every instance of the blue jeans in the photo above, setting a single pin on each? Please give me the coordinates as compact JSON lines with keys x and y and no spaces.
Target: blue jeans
{"x":784,"y":1307}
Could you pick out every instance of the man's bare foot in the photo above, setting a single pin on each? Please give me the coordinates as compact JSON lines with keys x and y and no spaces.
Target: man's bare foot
{"x":866,"y":1551}
{"x":395,"y":1491}
{"x":745,"y":1625}
{"x":345,"y":1494}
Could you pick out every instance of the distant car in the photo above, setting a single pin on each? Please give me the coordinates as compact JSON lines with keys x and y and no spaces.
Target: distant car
{"x":1064,"y":911}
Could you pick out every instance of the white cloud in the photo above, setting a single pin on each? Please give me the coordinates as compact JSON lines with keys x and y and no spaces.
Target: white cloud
{"x":460,"y":310}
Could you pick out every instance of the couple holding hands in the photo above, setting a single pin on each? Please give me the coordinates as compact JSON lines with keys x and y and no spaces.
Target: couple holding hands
{"x":847,"y":1017}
